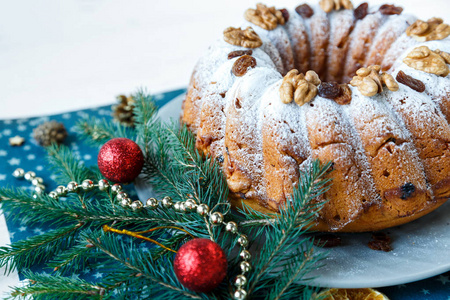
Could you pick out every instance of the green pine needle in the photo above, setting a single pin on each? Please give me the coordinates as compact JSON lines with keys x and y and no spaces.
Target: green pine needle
{"x":47,"y":287}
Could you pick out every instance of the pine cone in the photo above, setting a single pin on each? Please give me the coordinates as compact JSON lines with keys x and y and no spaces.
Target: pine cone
{"x":50,"y":132}
{"x":123,"y":112}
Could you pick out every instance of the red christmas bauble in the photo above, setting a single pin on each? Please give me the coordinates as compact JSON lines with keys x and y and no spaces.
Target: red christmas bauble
{"x":200,"y":265}
{"x":120,"y":160}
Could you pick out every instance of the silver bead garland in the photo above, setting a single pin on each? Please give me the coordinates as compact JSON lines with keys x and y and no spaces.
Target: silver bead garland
{"x":215,"y":218}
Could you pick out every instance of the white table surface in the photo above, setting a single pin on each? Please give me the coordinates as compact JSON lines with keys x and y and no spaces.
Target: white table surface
{"x":58,"y":56}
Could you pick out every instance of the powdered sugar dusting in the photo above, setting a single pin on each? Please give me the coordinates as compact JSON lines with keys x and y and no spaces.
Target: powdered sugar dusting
{"x":243,"y":128}
{"x":361,"y":40}
{"x":341,"y":26}
{"x":387,"y":34}
{"x":280,"y":39}
{"x":435,"y":85}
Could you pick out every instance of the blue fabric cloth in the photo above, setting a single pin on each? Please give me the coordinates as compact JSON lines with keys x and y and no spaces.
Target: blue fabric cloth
{"x":31,"y":157}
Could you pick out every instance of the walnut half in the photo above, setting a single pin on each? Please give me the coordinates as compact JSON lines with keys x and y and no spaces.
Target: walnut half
{"x":431,"y":30}
{"x":330,"y":5}
{"x":426,"y":60}
{"x":247,"y":38}
{"x":298,"y":87}
{"x":265,"y":17}
{"x":370,"y":82}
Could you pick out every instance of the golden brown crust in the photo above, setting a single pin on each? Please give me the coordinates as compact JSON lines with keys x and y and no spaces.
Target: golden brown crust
{"x":374,"y":218}
{"x":360,"y":44}
{"x":339,"y":45}
{"x":386,"y":36}
{"x":331,"y":140}
{"x":300,"y":43}
{"x":191,"y":105}
{"x":431,"y":138}
{"x":319,"y":27}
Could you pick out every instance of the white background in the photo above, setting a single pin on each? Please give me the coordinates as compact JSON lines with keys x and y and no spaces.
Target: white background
{"x":58,"y":56}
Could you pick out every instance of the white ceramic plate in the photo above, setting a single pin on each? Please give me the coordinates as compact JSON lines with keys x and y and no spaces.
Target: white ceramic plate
{"x":421,"y":248}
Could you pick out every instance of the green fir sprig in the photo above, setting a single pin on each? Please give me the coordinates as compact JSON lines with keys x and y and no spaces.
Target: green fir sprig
{"x":282,"y":255}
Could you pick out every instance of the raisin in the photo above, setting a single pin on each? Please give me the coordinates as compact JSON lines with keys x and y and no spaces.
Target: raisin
{"x":380,"y":246}
{"x":329,"y":90}
{"x":411,"y":82}
{"x":407,"y":190}
{"x":327,"y":241}
{"x":238,"y":53}
{"x":242,"y":64}
{"x":345,"y":96}
{"x":380,"y":241}
{"x":305,"y":11}
{"x":285,"y":14}
{"x":388,"y":9}
{"x":361,"y":11}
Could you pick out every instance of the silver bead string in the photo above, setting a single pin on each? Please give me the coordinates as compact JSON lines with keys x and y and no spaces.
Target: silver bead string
{"x":215,"y":218}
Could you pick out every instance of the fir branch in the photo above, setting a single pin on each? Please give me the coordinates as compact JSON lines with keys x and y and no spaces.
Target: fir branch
{"x":96,"y":132}
{"x":66,"y":165}
{"x":57,"y":287}
{"x":286,"y":232}
{"x":44,"y":209}
{"x":157,"y":168}
{"x":26,"y":253}
{"x":72,"y":260}
{"x":196,"y":167}
{"x":145,"y":115}
{"x":173,"y":166}
{"x":138,"y":263}
{"x":298,"y":266}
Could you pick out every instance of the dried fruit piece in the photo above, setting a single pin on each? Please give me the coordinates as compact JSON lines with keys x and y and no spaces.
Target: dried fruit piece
{"x":411,"y":82}
{"x":305,"y":11}
{"x":242,"y":64}
{"x":380,"y":241}
{"x":408,"y":190}
{"x":298,"y":87}
{"x":424,"y":59}
{"x":238,"y":53}
{"x":265,"y":17}
{"x":352,"y":294}
{"x":361,"y":11}
{"x":345,"y":96}
{"x":431,"y":30}
{"x":388,"y":9}
{"x":329,"y":90}
{"x":247,"y":38}
{"x":285,"y":14}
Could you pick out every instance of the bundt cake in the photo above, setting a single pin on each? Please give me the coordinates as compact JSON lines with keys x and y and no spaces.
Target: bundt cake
{"x":366,"y":88}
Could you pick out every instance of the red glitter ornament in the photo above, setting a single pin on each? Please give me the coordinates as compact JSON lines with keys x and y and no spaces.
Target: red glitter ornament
{"x":120,"y":160}
{"x":200,"y":265}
